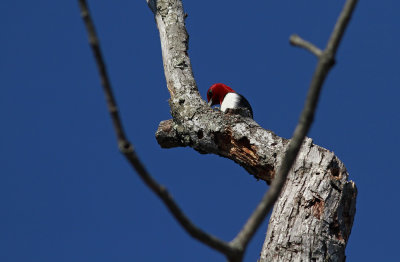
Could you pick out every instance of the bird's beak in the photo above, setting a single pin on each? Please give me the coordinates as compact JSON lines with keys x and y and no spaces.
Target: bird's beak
{"x":210,"y":102}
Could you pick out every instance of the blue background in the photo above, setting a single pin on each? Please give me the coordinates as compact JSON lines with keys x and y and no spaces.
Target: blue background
{"x":66,"y":193}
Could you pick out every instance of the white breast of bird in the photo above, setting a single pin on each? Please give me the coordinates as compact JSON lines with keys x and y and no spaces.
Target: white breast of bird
{"x":231,"y":100}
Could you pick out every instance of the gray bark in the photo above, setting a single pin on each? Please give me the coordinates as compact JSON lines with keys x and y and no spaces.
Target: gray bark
{"x":313,"y":217}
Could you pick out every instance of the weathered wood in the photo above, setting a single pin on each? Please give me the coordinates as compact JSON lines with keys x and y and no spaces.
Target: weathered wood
{"x":234,"y":137}
{"x":194,"y":123}
{"x":313,"y":217}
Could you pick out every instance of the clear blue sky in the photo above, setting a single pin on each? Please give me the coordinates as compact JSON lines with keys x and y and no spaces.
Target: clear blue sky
{"x":66,"y":193}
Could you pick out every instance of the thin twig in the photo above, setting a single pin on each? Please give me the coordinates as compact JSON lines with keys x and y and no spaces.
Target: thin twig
{"x":105,"y":81}
{"x":325,"y":63}
{"x":300,"y":42}
{"x":130,"y":154}
{"x":184,"y":221}
{"x":340,"y":27}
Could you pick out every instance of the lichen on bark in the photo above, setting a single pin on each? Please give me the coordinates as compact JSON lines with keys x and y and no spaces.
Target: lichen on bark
{"x":312,"y":219}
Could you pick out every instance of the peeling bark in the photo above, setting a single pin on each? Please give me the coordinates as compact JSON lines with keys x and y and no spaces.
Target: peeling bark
{"x":194,"y":123}
{"x":231,"y":136}
{"x":313,"y":217}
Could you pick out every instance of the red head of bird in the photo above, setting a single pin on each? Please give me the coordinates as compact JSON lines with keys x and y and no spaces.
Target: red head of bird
{"x":217,"y":92}
{"x":221,"y":94}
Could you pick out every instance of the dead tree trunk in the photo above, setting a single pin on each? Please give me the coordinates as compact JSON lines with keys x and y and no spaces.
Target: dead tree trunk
{"x":313,"y":217}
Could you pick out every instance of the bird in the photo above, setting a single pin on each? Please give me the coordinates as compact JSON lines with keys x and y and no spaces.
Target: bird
{"x":221,"y":94}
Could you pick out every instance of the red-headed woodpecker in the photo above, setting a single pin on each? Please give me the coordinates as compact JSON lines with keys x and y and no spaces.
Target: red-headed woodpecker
{"x":227,"y":98}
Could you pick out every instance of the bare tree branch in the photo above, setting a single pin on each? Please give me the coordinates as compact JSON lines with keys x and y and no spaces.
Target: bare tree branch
{"x":300,"y":42}
{"x":105,"y":81}
{"x":340,"y":27}
{"x":195,"y":124}
{"x":128,"y":151}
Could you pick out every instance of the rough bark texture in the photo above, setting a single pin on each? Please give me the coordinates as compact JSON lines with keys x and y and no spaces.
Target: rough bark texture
{"x":313,"y":217}
{"x":194,"y":123}
{"x":237,"y":138}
